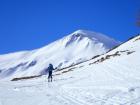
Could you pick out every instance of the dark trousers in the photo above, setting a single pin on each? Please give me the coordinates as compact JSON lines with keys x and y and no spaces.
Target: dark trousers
{"x":50,"y":76}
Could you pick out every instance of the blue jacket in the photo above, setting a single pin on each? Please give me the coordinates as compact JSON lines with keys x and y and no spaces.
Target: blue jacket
{"x":50,"y":68}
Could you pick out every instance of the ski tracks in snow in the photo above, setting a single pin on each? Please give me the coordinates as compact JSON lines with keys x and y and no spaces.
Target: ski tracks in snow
{"x":116,"y":96}
{"x":62,"y":92}
{"x":55,"y":96}
{"x":86,"y":97}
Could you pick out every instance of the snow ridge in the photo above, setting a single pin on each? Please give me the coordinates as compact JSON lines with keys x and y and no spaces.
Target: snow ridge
{"x":71,"y":49}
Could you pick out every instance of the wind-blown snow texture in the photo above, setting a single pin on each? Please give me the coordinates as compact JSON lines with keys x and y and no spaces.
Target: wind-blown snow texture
{"x":75,"y":48}
{"x":110,"y":79}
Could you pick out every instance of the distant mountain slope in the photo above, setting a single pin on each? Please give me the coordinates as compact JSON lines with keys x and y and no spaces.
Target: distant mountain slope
{"x":110,"y":79}
{"x":74,"y":48}
{"x":124,"y":59}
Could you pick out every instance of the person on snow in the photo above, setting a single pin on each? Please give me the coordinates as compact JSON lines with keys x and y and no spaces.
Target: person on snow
{"x":50,"y":69}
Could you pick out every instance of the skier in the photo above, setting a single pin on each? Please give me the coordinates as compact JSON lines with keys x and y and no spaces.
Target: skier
{"x":50,"y":69}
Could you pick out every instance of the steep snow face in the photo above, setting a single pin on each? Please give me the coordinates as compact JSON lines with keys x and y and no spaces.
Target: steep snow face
{"x":74,"y":48}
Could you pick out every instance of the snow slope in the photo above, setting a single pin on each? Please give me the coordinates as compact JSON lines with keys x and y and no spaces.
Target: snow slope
{"x":72,"y":49}
{"x":111,"y":79}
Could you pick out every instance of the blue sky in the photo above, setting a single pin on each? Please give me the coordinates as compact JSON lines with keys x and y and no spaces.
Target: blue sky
{"x":30,"y":24}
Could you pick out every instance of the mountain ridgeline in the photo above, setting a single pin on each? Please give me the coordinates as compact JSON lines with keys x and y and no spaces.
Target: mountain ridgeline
{"x":72,"y":49}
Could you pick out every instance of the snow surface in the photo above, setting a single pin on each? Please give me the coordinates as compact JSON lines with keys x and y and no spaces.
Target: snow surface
{"x":111,"y":79}
{"x":72,"y":49}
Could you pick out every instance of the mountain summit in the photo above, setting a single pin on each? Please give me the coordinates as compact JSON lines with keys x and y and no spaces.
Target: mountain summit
{"x":71,"y":49}
{"x":96,"y":37}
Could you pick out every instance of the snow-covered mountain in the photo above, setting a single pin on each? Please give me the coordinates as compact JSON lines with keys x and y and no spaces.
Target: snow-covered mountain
{"x":72,"y":49}
{"x":110,"y":79}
